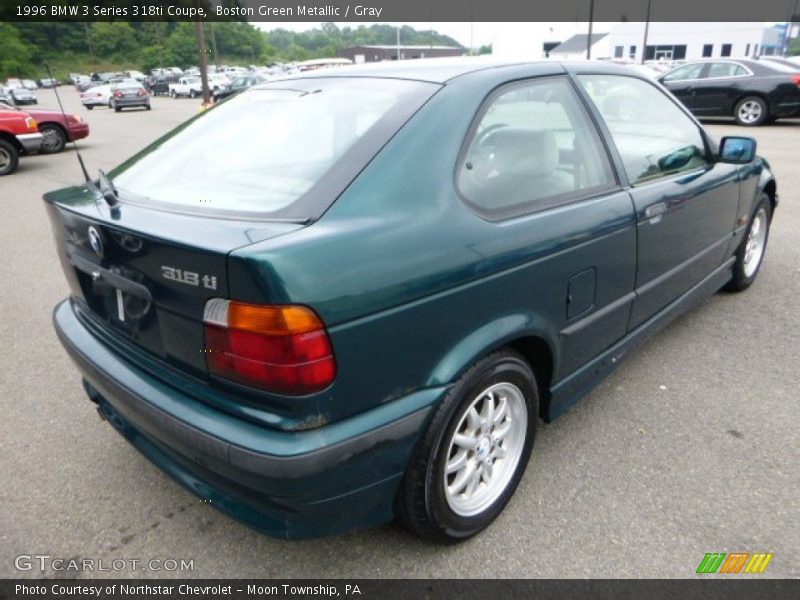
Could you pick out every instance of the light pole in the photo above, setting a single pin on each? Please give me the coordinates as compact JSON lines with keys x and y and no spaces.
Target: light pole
{"x":589,"y":37}
{"x":646,"y":31}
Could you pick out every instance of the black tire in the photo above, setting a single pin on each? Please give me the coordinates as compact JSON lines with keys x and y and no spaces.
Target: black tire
{"x":117,"y":108}
{"x":147,"y":107}
{"x":422,"y":503}
{"x":741,"y":111}
{"x":89,"y":106}
{"x":9,"y":158}
{"x":55,"y":138}
{"x":741,"y":280}
{"x":192,"y":94}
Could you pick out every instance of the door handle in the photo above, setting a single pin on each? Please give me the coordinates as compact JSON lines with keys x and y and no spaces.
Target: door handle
{"x":655,"y":210}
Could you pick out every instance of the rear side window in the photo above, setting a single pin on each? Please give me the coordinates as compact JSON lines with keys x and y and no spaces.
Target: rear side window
{"x":281,"y":151}
{"x":532,"y":147}
{"x":725,"y":70}
{"x":653,"y":136}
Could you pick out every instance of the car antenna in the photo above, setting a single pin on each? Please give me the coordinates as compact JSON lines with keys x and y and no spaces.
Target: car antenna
{"x":64,"y":114}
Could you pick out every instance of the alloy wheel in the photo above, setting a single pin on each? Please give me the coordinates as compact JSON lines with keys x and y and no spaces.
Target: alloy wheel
{"x":485,"y":449}
{"x":756,"y":241}
{"x":750,"y":111}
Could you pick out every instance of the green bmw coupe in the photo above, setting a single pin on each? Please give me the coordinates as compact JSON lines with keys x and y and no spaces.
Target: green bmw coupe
{"x":348,"y":297}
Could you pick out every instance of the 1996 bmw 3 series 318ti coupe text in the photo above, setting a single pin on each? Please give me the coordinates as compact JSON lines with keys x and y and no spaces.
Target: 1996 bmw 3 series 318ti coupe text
{"x":348,"y":297}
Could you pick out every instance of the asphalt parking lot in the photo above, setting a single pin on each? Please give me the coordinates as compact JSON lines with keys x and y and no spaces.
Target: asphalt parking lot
{"x":692,"y":446}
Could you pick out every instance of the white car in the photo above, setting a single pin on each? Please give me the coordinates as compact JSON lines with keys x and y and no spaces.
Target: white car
{"x":217,"y":81}
{"x":137,"y":75}
{"x":13,"y":84}
{"x":30,"y":84}
{"x":100,"y":95}
{"x":186,"y":86}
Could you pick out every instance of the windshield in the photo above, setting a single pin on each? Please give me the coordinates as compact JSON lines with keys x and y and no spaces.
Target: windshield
{"x":264,"y":151}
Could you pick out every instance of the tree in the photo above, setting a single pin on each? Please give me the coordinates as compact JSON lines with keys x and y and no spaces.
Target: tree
{"x":113,"y":40}
{"x":15,"y":54}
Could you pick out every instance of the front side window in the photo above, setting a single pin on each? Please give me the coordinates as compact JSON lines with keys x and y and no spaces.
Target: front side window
{"x":533,"y":146}
{"x":684,"y":72}
{"x":653,"y":136}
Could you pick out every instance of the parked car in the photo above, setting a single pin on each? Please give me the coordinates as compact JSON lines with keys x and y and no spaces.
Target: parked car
{"x":217,"y":81}
{"x":785,"y":62}
{"x":359,"y":310}
{"x":751,"y":91}
{"x":13,"y":83}
{"x":18,"y":135}
{"x":137,"y":75}
{"x":56,"y":128}
{"x":30,"y":84}
{"x":186,"y":86}
{"x":237,"y":85}
{"x":157,"y":85}
{"x":49,"y":83}
{"x":23,"y":95}
{"x":129,"y":94}
{"x":99,"y":95}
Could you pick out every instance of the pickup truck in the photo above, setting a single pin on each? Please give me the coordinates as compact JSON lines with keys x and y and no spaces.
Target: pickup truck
{"x":186,"y":86}
{"x":18,"y":134}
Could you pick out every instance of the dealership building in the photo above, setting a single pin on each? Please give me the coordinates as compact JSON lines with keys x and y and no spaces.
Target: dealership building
{"x":378,"y":53}
{"x":665,"y":41}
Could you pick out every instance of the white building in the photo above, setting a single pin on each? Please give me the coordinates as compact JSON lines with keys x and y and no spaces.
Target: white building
{"x":685,"y":41}
{"x":625,"y":41}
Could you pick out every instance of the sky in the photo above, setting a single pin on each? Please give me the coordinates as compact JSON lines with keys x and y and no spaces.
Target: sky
{"x":480,"y":33}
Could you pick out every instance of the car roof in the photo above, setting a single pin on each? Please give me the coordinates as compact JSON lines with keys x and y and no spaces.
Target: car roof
{"x":442,"y":70}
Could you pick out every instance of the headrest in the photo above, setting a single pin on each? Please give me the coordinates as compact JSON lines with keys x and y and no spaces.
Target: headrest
{"x":525,"y":152}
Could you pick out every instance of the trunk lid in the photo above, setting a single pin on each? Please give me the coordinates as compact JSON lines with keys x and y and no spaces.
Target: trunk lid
{"x":146,"y":274}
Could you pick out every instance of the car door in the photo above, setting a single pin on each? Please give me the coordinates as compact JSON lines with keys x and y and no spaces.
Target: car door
{"x":686,"y":203}
{"x":682,"y":82}
{"x":536,"y":170}
{"x":721,"y":84}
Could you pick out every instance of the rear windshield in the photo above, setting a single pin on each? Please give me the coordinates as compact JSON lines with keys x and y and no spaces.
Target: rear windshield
{"x":284,"y":150}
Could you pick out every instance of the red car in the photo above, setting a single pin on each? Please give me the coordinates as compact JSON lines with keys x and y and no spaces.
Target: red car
{"x":18,"y":134}
{"x":55,"y":128}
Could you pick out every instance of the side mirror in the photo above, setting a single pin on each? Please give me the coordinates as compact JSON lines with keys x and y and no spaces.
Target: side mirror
{"x":737,"y":150}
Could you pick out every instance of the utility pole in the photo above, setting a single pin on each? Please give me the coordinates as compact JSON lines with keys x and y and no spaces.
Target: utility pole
{"x":589,"y":37}
{"x":201,"y":48}
{"x":646,"y":31}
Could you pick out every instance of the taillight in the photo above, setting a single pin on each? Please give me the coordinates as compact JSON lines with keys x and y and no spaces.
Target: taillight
{"x":795,"y":79}
{"x":117,"y":94}
{"x":281,"y":349}
{"x":142,"y":92}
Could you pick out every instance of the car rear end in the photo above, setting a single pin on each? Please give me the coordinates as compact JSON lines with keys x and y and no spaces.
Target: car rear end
{"x":94,"y":96}
{"x":208,"y":364}
{"x":130,"y":96}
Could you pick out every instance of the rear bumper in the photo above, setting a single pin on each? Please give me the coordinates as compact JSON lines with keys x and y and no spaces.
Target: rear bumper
{"x":30,"y":141}
{"x":336,"y":478}
{"x":126,"y":102}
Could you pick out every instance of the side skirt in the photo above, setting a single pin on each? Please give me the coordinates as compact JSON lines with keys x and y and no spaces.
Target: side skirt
{"x":571,"y":389}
